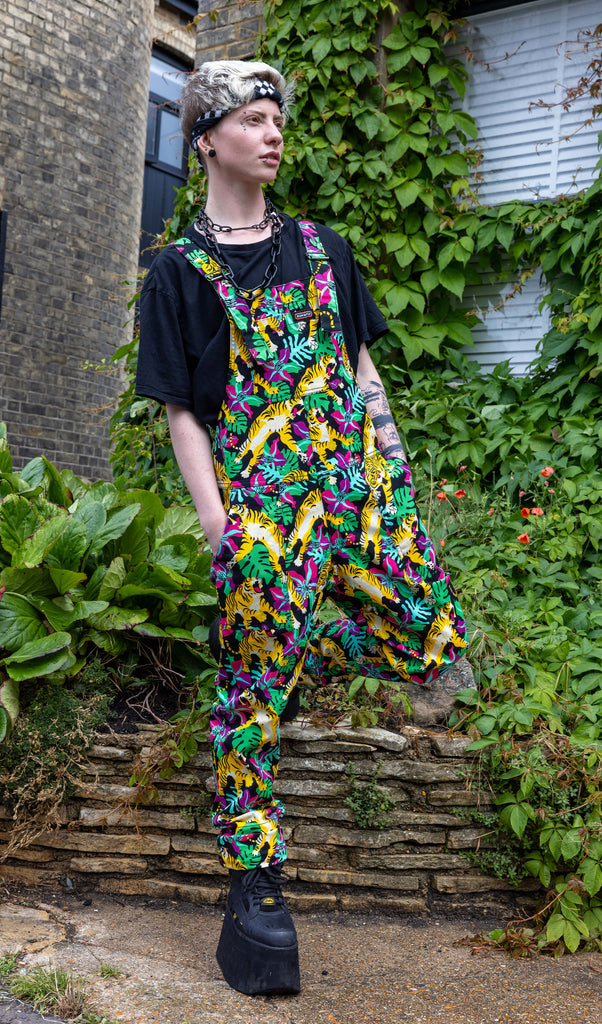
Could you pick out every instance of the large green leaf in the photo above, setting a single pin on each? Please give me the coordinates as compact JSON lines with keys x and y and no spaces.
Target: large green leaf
{"x":57,"y":491}
{"x":179,"y":519}
{"x":154,"y":581}
{"x":39,"y":657}
{"x":19,"y":622}
{"x":9,"y":703}
{"x":116,"y":525}
{"x":33,"y":472}
{"x":62,"y":612}
{"x":113,"y":579}
{"x":92,"y":514}
{"x":151,"y":506}
{"x":49,"y":644}
{"x":18,"y":520}
{"x":77,"y":487}
{"x":135,"y":542}
{"x":35,"y":581}
{"x":48,"y":665}
{"x":36,"y":547}
{"x":69,"y":549}
{"x":111,"y":642}
{"x":117,"y":618}
{"x":176,"y":552}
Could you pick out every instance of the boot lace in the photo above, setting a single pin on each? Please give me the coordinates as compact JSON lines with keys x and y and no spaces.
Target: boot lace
{"x":265,"y":883}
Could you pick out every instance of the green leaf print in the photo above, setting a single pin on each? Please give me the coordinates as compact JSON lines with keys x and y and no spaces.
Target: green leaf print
{"x":248,"y":740}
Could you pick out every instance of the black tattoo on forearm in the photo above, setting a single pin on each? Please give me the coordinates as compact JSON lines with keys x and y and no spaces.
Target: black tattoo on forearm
{"x":382,"y":418}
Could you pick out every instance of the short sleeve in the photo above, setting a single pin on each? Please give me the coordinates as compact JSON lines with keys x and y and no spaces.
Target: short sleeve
{"x":162,"y":371}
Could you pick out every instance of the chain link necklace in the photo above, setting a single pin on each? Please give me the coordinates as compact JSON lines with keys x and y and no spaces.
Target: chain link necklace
{"x":208,"y":228}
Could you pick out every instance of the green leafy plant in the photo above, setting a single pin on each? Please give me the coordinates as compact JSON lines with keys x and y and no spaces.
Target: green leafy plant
{"x":371,"y":805}
{"x":8,"y":963}
{"x":90,"y":571}
{"x":51,"y":990}
{"x":107,"y":970}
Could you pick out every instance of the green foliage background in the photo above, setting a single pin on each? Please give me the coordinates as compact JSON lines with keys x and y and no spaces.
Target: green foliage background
{"x":376,"y":150}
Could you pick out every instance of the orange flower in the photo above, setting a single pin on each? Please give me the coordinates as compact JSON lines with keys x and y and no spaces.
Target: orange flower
{"x":523,"y":538}
{"x":442,"y":496}
{"x":460,"y":493}
{"x":537,"y":511}
{"x":547,"y":471}
{"x":442,"y":542}
{"x":525,"y":513}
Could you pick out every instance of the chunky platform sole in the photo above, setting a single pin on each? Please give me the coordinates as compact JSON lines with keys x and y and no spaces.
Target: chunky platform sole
{"x":252,"y":967}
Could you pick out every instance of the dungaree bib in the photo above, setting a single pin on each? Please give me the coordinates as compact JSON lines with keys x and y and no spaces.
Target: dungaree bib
{"x":314,"y":511}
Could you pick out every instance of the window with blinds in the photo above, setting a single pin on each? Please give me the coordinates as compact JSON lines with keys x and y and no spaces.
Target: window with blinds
{"x":520,"y":55}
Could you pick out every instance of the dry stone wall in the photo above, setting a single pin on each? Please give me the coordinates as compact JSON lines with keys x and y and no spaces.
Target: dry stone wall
{"x":417,"y":864}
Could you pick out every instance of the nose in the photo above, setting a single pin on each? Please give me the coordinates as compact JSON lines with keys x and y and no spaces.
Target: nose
{"x":274,"y":133}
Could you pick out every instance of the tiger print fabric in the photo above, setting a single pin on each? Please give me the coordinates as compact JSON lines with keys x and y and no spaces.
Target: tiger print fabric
{"x":314,"y":511}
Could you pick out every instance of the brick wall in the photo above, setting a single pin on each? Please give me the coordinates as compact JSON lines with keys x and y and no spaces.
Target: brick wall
{"x":414,"y":865}
{"x":74,"y":78}
{"x":228,"y":30}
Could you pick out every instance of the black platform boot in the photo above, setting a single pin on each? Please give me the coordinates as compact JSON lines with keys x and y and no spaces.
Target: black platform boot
{"x":258,"y":951}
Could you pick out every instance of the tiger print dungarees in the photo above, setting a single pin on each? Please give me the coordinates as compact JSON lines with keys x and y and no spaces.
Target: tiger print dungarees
{"x":314,"y":510}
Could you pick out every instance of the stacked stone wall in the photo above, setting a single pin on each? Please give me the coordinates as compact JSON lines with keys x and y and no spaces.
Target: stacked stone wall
{"x":416,"y":864}
{"x":74,"y":81}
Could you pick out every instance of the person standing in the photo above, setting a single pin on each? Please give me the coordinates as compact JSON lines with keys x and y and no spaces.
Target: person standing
{"x":254,"y":331}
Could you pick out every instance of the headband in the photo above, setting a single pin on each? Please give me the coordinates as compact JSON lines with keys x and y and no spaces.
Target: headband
{"x":262,"y":91}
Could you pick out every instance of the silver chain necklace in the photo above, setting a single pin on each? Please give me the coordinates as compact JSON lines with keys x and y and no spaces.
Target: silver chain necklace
{"x":272,"y":217}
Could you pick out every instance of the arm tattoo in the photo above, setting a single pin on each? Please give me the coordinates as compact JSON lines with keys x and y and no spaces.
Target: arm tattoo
{"x":382,"y":418}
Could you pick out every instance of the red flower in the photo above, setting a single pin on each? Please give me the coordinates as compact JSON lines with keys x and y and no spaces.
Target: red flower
{"x":537,"y":511}
{"x":525,"y":513}
{"x":491,"y":511}
{"x":442,"y":496}
{"x":523,"y":538}
{"x":442,"y":542}
{"x":547,"y":471}
{"x":460,"y":493}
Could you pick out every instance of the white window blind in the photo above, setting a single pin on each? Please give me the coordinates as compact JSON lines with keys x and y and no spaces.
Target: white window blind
{"x":531,"y":152}
{"x":523,"y":54}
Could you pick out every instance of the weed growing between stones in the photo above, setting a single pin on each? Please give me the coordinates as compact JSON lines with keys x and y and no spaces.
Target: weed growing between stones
{"x":40,"y":765}
{"x":371,"y":805}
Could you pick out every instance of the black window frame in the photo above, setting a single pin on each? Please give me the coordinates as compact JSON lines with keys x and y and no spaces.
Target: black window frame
{"x":466,"y":8}
{"x":188,"y":7}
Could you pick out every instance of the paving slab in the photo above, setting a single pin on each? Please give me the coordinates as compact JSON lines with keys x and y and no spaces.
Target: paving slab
{"x":354,"y":968}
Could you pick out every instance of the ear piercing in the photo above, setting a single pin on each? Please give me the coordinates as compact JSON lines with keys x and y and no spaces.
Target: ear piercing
{"x":211,"y":152}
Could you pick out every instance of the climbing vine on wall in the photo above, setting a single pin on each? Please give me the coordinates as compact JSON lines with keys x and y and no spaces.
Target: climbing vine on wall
{"x":377,"y":150}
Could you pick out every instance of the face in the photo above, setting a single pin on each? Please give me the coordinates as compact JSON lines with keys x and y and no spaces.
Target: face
{"x":247,"y":142}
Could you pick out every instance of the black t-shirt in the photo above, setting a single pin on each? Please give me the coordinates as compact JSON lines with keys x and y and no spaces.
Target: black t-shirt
{"x":184,"y":331}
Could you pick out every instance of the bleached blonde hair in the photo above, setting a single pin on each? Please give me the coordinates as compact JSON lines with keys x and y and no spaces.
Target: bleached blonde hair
{"x":219,"y":84}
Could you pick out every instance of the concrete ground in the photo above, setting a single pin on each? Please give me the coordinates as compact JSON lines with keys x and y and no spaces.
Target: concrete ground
{"x":354,"y":968}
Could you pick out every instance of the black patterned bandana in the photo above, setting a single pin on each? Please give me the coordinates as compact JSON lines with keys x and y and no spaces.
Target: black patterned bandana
{"x":262,"y":91}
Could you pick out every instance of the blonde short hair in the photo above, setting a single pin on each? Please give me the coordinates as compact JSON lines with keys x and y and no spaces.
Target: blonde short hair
{"x":221,"y":84}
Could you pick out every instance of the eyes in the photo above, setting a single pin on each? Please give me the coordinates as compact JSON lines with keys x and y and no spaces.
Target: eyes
{"x":255,"y":120}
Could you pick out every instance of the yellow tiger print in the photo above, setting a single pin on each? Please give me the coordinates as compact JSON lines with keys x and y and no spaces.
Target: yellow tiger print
{"x":274,"y":420}
{"x":247,"y":604}
{"x":258,"y":529}
{"x":317,"y":379}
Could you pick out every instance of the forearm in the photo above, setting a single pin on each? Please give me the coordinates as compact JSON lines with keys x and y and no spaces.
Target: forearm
{"x":192,"y":447}
{"x":378,"y":408}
